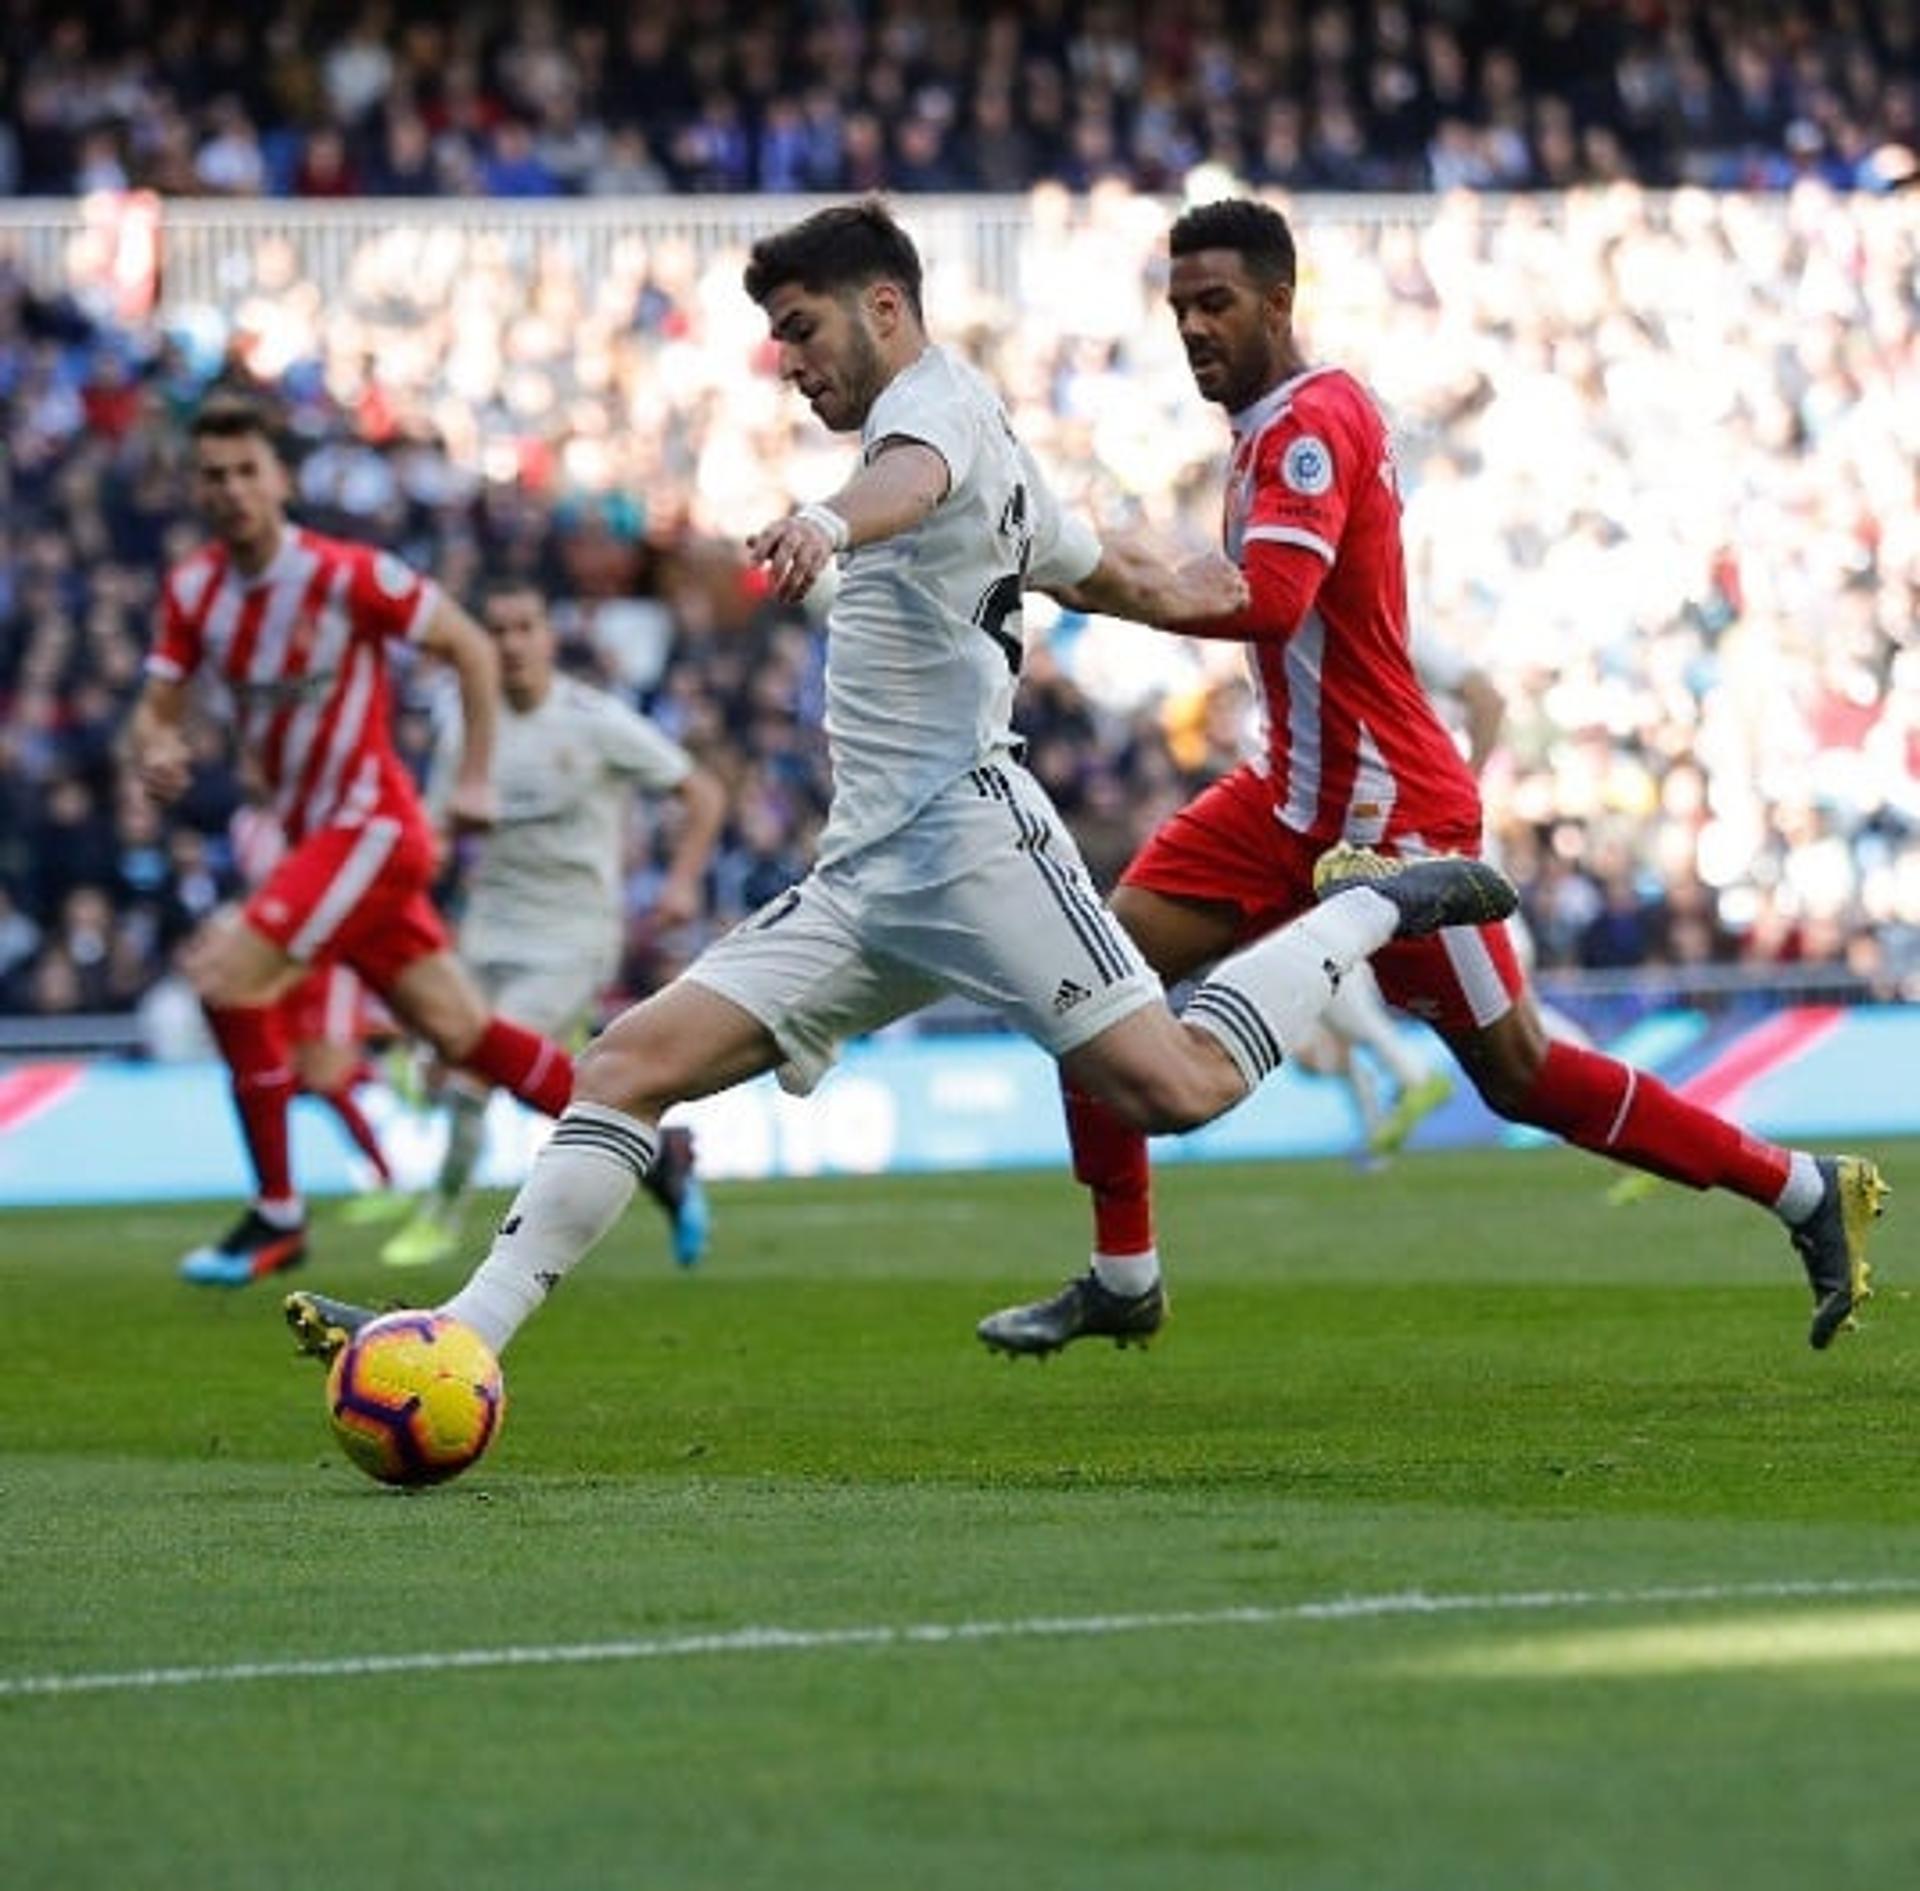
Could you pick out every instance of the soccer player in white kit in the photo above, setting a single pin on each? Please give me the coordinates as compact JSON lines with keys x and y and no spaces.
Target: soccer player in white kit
{"x":545,"y":902}
{"x":943,"y":866}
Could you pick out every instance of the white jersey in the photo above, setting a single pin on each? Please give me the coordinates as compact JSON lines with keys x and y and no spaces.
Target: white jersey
{"x":924,"y":638}
{"x":548,"y":882}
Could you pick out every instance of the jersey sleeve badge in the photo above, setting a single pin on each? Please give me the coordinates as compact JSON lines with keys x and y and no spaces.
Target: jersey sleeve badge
{"x":392,"y":575}
{"x":1306,"y":467}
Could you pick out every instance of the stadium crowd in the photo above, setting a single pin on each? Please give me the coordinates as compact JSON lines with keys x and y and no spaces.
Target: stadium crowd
{"x":556,"y":98}
{"x":1661,"y":452}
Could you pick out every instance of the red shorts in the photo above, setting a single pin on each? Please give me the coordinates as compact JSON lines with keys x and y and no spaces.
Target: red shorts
{"x":356,"y":895}
{"x":1229,"y":846}
{"x":328,"y":1006}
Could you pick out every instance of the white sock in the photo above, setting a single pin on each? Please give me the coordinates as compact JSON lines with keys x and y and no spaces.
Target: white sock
{"x":1271,"y":994}
{"x":1360,"y":1015}
{"x":1804,"y":1191}
{"x":285,"y":1213}
{"x":1355,"y":924}
{"x":1127,"y":1274}
{"x":1366,"y":1096}
{"x":581,"y":1183}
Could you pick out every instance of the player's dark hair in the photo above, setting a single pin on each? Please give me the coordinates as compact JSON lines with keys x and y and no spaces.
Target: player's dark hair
{"x":1259,"y":235}
{"x":508,"y":584}
{"x":233,"y":417}
{"x":845,"y":247}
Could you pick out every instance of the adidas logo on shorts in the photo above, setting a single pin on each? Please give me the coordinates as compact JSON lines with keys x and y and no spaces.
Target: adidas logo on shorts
{"x":1068,"y":996}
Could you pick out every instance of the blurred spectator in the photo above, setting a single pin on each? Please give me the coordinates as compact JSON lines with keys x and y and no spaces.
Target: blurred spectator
{"x":19,"y":942}
{"x":324,"y":169}
{"x":358,"y":68}
{"x":512,"y":167}
{"x":230,"y":162}
{"x":625,"y":167}
{"x":402,"y":163}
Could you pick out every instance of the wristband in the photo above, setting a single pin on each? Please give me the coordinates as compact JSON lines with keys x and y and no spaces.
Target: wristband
{"x":825,"y":520}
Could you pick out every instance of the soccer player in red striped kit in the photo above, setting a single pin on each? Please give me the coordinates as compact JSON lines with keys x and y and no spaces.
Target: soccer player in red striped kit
{"x":1357,"y":761}
{"x":298,"y":628}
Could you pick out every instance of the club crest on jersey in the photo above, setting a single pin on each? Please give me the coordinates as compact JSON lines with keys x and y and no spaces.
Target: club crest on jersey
{"x":1307,"y":467}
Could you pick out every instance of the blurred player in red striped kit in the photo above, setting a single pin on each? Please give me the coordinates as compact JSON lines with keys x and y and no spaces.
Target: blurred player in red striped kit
{"x":298,"y":628}
{"x":329,"y":1018}
{"x":1359,"y":768}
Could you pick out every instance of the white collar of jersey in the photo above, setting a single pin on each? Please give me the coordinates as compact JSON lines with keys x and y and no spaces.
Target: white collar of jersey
{"x":1267,"y":408}
{"x":279,"y":564}
{"x":920,"y":364}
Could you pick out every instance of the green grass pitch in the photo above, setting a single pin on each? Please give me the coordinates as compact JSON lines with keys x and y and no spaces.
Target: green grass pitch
{"x":1460,"y":1532}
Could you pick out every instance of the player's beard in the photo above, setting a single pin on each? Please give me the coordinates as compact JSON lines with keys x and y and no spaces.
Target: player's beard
{"x":1244,"y":374}
{"x":250,"y":532}
{"x":863,"y":375}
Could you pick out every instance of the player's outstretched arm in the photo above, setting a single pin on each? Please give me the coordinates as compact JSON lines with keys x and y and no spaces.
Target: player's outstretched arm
{"x":452,"y":636}
{"x":1137,"y":579}
{"x":1271,"y":595}
{"x":902,"y":481}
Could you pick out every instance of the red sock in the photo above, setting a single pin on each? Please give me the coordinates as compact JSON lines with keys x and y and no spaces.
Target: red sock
{"x":1110,"y":1157}
{"x":533,"y":1067}
{"x":353,"y":1119}
{"x":1609,"y":1107}
{"x":253,"y":1040}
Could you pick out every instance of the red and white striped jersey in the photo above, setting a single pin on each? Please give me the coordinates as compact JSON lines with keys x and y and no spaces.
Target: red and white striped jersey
{"x":1353,"y":745}
{"x":302,"y":649}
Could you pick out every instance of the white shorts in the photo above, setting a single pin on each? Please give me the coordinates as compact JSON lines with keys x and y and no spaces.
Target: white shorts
{"x":556,"y":999}
{"x":982,"y":893}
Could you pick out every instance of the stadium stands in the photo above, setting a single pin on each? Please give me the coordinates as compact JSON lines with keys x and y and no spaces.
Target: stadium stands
{"x":551,"y":99}
{"x":1659,"y":446}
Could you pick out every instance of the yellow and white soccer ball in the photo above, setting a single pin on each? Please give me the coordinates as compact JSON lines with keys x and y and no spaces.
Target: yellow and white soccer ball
{"x":415,"y":1397}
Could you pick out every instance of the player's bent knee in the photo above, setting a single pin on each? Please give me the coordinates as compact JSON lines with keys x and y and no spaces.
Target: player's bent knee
{"x":1157,"y":1075}
{"x":683,"y":1042}
{"x":1505,"y":1096}
{"x":442,"y":1004}
{"x":229,"y":967}
{"x":1505,"y":1061}
{"x":600,"y":1066}
{"x":627,"y":1072}
{"x":452,"y":1039}
{"x":1506,"y":1084}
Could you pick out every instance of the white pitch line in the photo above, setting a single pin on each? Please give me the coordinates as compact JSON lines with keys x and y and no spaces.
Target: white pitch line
{"x":772,"y":1640}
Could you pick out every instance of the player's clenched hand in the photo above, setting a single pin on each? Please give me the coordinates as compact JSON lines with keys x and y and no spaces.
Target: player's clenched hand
{"x":794,"y":551}
{"x":470,"y":807}
{"x":164,"y":764}
{"x":1208,"y":585}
